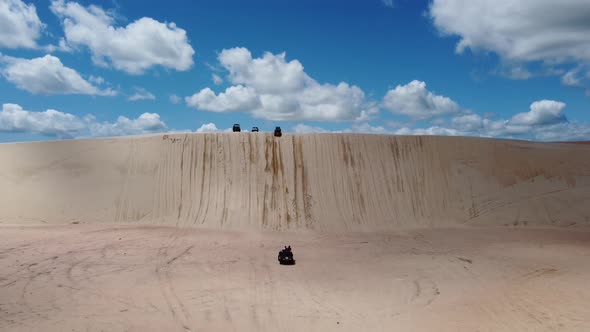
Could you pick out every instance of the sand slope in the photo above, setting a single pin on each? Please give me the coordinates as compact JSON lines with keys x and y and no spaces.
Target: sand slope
{"x":329,"y":182}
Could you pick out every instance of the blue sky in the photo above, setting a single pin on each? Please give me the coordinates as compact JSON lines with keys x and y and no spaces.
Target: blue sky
{"x":445,"y":67}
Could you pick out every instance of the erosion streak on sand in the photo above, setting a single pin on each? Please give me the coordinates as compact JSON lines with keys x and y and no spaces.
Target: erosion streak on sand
{"x":324,"y":182}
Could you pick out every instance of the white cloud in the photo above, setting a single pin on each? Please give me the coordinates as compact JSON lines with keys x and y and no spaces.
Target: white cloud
{"x":333,"y":102}
{"x":216,"y":79}
{"x":535,"y":30}
{"x":469,"y":122}
{"x":366,"y":128}
{"x":544,"y":121}
{"x":568,"y":131}
{"x":438,"y":131}
{"x":52,"y":123}
{"x":96,"y":80}
{"x":270,"y":74}
{"x":416,"y":102}
{"x":20,"y":27}
{"x":520,"y":73}
{"x":141,"y":94}
{"x":13,"y":118}
{"x":174,"y":99}
{"x":302,"y":128}
{"x":570,"y":78}
{"x":208,"y":128}
{"x":234,"y":99}
{"x":145,"y":123}
{"x":474,"y":124}
{"x":270,"y":87}
{"x":514,"y":72}
{"x":357,"y":128}
{"x":212,"y":128}
{"x":47,"y":76}
{"x":134,"y":48}
{"x":565,"y":131}
{"x":542,"y":112}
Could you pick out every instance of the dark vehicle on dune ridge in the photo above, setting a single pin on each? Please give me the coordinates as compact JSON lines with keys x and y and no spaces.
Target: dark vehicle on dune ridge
{"x":286,"y":256}
{"x":278,"y":132}
{"x":255,"y":129}
{"x":236,"y":128}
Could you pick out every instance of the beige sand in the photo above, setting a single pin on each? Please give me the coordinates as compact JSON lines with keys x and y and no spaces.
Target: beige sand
{"x":390,"y":233}
{"x":322,"y":182}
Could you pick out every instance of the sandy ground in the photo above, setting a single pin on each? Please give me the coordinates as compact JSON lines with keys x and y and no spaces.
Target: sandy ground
{"x":142,"y":278}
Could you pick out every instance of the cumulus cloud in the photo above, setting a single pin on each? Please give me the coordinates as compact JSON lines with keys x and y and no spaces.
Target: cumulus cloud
{"x":539,"y":30}
{"x":47,"y":76}
{"x":270,"y":87}
{"x":13,"y":118}
{"x":565,"y":131}
{"x":302,"y":128}
{"x":134,"y":48}
{"x":145,"y":123}
{"x":415,"y":101}
{"x":544,"y":121}
{"x":141,"y":94}
{"x":543,"y":112}
{"x":366,"y":128}
{"x":234,"y":99}
{"x":269,"y":74}
{"x":208,"y":128}
{"x":356,"y":128}
{"x":469,"y":122}
{"x":20,"y":27}
{"x":436,"y":131}
{"x":53,"y":123}
{"x":212,"y":128}
{"x":475,"y":125}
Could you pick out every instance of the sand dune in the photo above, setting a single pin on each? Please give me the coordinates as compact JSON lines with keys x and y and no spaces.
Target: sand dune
{"x":326,"y":182}
{"x":390,"y":233}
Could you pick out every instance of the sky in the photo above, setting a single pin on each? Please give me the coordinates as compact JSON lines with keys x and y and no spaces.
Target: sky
{"x":77,"y":69}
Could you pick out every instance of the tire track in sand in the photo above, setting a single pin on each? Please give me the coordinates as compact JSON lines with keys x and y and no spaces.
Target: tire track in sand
{"x":164,"y":261}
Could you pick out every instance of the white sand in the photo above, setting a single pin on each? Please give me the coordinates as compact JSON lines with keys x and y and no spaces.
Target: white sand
{"x":389,"y":233}
{"x":319,"y":182}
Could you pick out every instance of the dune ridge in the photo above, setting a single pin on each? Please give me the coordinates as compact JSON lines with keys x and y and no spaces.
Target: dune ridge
{"x":322,"y":182}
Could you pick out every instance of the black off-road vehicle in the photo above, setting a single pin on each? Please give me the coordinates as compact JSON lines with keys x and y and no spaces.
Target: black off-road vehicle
{"x":254,"y":129}
{"x":278,"y":132}
{"x":286,"y":256}
{"x":236,"y":128}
